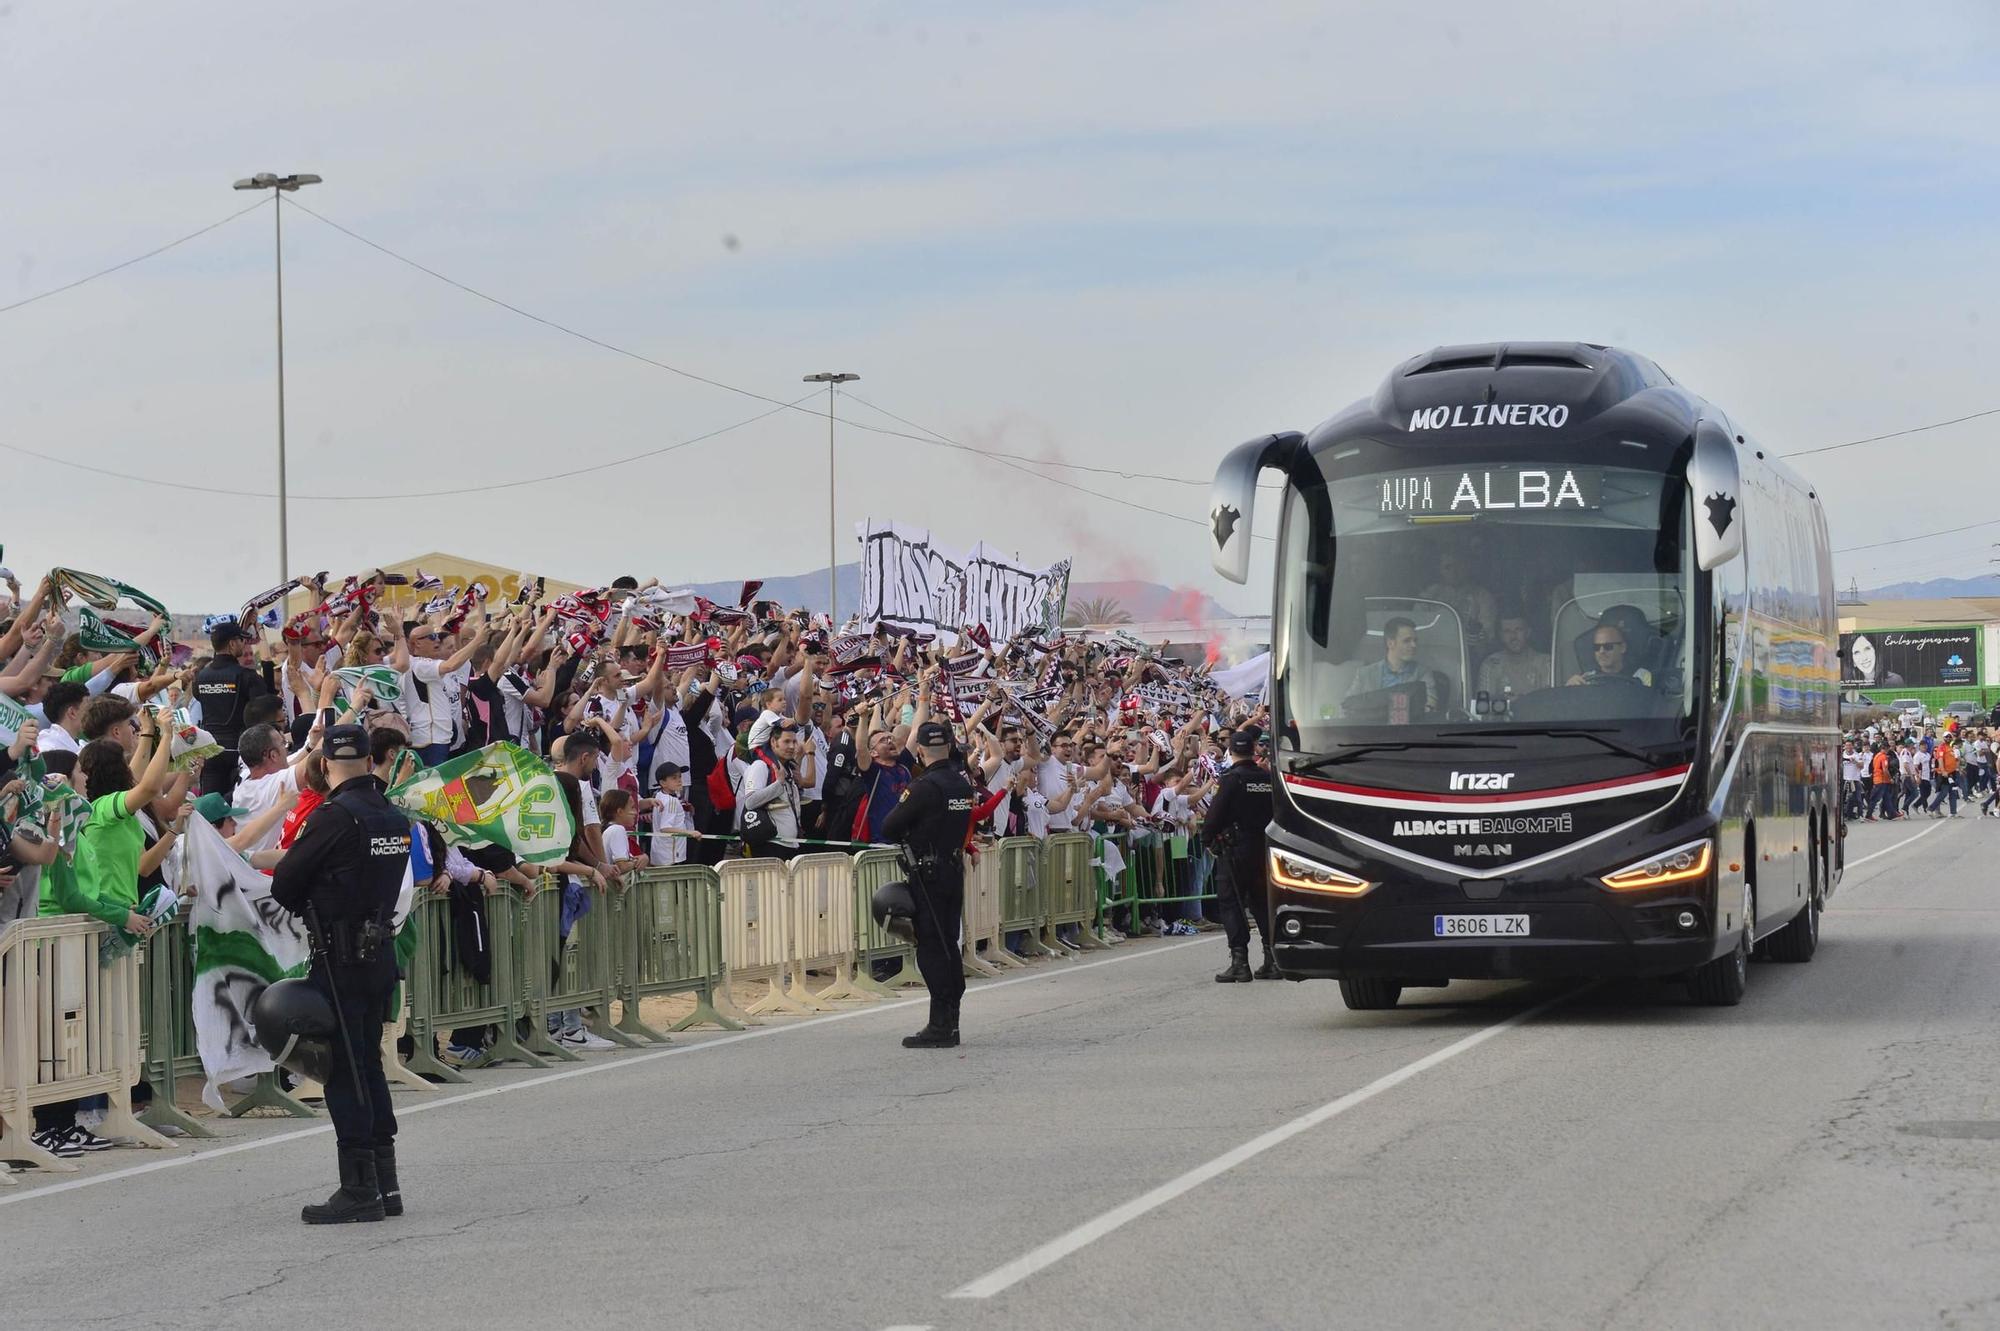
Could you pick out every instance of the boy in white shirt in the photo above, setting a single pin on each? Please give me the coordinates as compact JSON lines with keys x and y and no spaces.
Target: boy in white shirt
{"x":673,"y":822}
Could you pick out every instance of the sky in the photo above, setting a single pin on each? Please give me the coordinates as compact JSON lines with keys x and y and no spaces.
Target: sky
{"x":1125,"y":236}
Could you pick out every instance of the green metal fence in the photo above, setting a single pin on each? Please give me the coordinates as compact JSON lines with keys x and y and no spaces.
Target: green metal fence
{"x":560,"y":974}
{"x":166,"y":1025}
{"x":873,"y":944}
{"x":1070,"y":889}
{"x":445,"y":996}
{"x":668,"y":922}
{"x":1024,"y":898}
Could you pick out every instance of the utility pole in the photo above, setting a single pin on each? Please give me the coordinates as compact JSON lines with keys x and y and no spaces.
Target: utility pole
{"x":279,"y":187}
{"x":832,"y":594}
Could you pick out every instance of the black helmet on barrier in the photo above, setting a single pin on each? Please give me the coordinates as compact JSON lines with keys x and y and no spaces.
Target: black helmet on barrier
{"x":895,"y":910}
{"x":295,"y":1025}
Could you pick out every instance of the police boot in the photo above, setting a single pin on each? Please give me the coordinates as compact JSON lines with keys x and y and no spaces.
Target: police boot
{"x":1238,"y":970}
{"x":1269,"y":970}
{"x":385,"y":1180}
{"x":932,"y":1037}
{"x":360,"y":1196}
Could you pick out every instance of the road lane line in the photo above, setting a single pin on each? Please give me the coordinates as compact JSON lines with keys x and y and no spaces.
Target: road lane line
{"x":1089,"y":1232}
{"x":1876,"y":855}
{"x":586,"y":1070}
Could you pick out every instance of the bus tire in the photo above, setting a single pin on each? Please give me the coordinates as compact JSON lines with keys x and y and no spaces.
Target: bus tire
{"x":1721,"y":982}
{"x":1369,"y":993}
{"x":1797,"y":941}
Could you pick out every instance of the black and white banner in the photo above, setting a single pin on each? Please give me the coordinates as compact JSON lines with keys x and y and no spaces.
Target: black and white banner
{"x":907,"y":580}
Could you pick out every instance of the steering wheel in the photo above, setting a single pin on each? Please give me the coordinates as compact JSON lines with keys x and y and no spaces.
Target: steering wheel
{"x":1626,"y":680}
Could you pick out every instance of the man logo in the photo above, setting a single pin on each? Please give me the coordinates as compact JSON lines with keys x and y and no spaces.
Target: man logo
{"x":1489,"y":851}
{"x":1481,"y":780}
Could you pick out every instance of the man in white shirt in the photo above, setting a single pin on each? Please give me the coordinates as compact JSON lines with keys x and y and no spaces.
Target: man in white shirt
{"x":434,"y":679}
{"x":1056,"y":780}
{"x":269,"y":778}
{"x":60,"y":705}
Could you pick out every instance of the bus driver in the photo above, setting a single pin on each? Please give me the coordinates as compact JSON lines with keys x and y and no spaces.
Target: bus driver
{"x":1608,"y":646}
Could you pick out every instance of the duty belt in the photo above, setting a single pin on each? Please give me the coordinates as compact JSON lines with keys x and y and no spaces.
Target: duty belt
{"x":351,"y":942}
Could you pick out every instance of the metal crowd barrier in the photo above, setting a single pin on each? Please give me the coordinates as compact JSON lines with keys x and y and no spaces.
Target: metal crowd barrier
{"x":756,"y":928}
{"x":985,"y":941}
{"x":559,"y":974}
{"x":668,"y":922}
{"x":874,"y":945}
{"x":444,"y":996}
{"x":166,"y":1025}
{"x":1159,"y":871}
{"x":1070,"y":891}
{"x":69,"y":1027}
{"x":1024,"y":908}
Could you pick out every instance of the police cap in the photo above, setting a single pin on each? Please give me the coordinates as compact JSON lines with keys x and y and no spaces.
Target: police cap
{"x":347,"y":743}
{"x":1244,"y":742}
{"x":933,"y":735}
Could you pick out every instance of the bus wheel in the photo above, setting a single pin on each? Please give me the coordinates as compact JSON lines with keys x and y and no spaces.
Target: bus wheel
{"x":1369,"y":993}
{"x":1798,"y":940}
{"x":1720,"y":983}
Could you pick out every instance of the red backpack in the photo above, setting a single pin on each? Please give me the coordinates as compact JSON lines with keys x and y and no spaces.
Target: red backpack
{"x":721,"y":795}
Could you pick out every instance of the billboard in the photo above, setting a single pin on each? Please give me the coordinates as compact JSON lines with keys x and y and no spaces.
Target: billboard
{"x":1909,"y":658}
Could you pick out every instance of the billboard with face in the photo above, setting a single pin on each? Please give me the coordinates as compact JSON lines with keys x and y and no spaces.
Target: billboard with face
{"x":1909,"y":658}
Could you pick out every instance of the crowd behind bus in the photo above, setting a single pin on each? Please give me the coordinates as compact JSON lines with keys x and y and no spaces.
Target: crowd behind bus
{"x":1891,"y":768}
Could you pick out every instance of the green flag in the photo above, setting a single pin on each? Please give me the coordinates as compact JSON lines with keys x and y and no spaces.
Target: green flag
{"x":501,"y":795}
{"x":384,"y":682}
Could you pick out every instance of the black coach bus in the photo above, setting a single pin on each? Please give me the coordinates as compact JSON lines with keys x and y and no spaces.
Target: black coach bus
{"x":1554,"y":679}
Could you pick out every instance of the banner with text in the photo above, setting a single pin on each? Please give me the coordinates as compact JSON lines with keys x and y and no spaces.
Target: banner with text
{"x":907,"y":580}
{"x":1909,"y":658}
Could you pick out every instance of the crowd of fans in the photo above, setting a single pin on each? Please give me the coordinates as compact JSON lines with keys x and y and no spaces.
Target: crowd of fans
{"x":679,"y":729}
{"x":1892,"y":769}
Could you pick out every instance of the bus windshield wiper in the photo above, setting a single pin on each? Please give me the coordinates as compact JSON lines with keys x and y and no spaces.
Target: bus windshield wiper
{"x":1599,"y":734}
{"x":1353,"y":751}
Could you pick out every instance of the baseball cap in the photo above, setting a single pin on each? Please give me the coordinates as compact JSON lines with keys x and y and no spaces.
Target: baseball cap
{"x":346,"y":743}
{"x":665,"y":770}
{"x":1244,"y":741}
{"x":933,"y":735}
{"x":215,"y":806}
{"x":224,"y":634}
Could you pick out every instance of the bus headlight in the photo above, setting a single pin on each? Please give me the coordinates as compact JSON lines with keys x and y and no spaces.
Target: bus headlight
{"x":1682,"y":864}
{"x":1288,"y":870}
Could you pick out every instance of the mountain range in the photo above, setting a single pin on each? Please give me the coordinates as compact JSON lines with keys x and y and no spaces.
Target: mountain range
{"x":1934,"y":589}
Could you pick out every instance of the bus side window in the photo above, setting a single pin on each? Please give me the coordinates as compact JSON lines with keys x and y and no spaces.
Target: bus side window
{"x":1730,"y":604}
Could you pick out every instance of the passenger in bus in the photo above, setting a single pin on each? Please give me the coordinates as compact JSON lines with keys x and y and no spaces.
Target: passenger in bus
{"x":1516,"y":668}
{"x":1398,"y":664}
{"x":1609,"y":647}
{"x":1474,"y":605}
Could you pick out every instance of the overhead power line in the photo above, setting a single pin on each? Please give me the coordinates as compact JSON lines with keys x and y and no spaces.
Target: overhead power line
{"x":1053,"y":480}
{"x":1893,"y":434}
{"x":412,"y":494}
{"x":1921,"y":536}
{"x":105,"y":272}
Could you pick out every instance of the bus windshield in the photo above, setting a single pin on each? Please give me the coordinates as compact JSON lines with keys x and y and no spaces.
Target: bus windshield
{"x":1510,"y":597}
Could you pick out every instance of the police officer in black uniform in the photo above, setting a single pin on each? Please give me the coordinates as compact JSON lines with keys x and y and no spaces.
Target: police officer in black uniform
{"x":344,"y":874}
{"x":224,"y":688}
{"x":931,"y":822}
{"x":1234,"y":833}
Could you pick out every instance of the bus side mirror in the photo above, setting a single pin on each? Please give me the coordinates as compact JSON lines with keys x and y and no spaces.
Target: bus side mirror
{"x":1232,"y":499}
{"x":1717,"y":483}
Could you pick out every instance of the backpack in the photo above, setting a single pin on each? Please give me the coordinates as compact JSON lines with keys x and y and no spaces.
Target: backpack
{"x":721,"y":795}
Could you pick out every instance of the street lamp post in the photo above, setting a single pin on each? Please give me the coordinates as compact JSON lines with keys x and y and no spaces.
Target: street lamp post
{"x":832,"y":596}
{"x":280,"y":185}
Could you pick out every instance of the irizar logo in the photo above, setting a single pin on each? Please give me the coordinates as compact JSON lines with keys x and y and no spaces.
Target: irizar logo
{"x":1481,"y":780}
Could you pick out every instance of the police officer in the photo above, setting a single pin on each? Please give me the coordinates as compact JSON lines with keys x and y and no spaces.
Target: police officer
{"x":932,"y":821}
{"x":225,"y":686}
{"x":344,"y":874}
{"x":1234,"y":833}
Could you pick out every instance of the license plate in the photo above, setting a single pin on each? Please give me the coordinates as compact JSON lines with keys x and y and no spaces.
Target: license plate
{"x":1480,"y":926}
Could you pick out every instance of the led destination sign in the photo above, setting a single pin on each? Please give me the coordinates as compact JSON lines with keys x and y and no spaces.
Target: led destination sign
{"x":1486,"y":489}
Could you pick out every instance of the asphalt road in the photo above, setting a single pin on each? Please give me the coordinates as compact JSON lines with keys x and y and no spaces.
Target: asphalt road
{"x":1125,"y":1144}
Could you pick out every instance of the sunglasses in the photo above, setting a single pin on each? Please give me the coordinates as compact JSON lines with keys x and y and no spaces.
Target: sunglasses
{"x":1607,"y":647}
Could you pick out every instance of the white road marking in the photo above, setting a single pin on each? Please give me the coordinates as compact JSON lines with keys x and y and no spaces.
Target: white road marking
{"x":906,"y":1328}
{"x":586,"y":1070}
{"x":1876,"y":855}
{"x":994,"y":1282}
